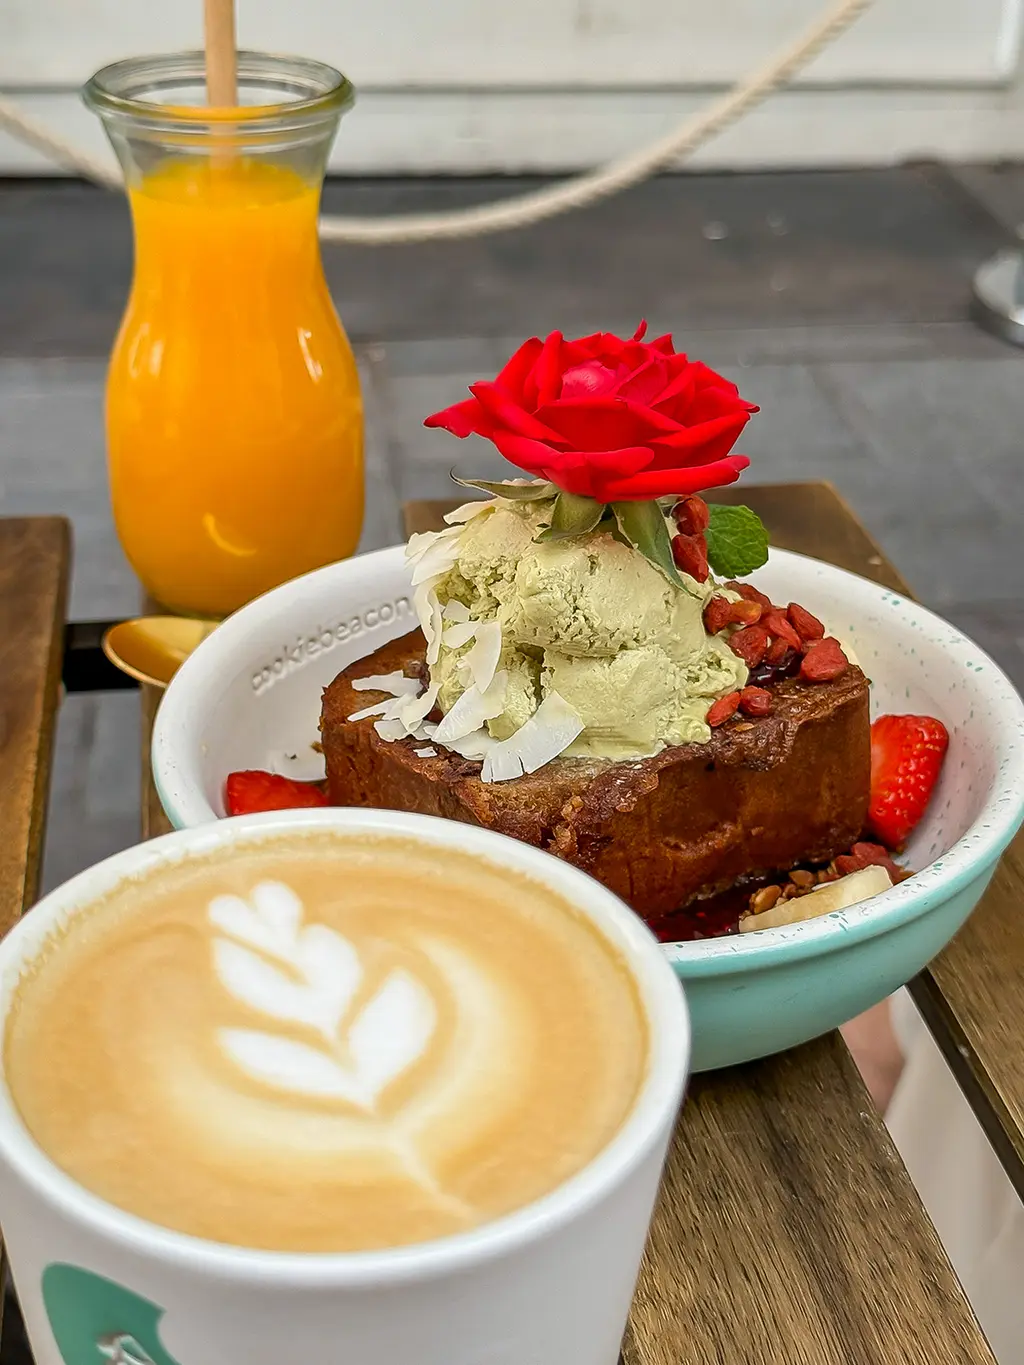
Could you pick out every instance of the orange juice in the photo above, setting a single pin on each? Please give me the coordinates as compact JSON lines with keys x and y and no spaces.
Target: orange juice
{"x":234,"y":418}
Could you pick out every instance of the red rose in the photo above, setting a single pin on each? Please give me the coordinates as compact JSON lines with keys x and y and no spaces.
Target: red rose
{"x":615,"y":420}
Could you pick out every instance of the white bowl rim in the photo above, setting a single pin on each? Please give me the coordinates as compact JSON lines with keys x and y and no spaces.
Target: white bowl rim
{"x":968,"y":858}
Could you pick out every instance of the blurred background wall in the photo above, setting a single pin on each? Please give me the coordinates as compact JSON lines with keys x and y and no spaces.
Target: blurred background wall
{"x":472,"y":86}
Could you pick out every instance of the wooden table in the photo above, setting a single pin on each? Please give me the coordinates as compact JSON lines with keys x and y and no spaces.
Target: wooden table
{"x":787,"y":1230}
{"x":35,"y":559}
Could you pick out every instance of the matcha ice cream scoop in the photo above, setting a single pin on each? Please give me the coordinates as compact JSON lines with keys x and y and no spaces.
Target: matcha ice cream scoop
{"x":587,"y":618}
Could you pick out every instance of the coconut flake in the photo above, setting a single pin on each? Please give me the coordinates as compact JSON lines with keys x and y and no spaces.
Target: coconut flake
{"x":472,"y":709}
{"x":434,"y":641}
{"x":379,"y":708}
{"x":475,"y":746}
{"x":397,"y":684}
{"x":456,"y":610}
{"x":467,"y":512}
{"x":412,"y":711}
{"x":482,"y":659}
{"x":428,"y":752}
{"x":548,"y":732}
{"x":421,"y":541}
{"x":428,"y":611}
{"x":460,"y":634}
{"x":435,"y":561}
{"x":391,"y":729}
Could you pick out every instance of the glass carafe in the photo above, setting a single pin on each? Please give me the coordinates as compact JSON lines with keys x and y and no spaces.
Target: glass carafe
{"x":234,"y":417}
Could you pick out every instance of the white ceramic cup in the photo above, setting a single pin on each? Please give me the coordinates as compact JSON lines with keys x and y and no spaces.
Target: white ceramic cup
{"x":549,"y":1284}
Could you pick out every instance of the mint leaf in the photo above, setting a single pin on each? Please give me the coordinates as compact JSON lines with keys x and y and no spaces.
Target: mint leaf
{"x":572,"y":515}
{"x":737,"y":541}
{"x":643,"y":526}
{"x":528,"y":491}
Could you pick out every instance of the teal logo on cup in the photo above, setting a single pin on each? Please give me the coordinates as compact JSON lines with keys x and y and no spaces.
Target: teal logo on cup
{"x":96,"y":1321}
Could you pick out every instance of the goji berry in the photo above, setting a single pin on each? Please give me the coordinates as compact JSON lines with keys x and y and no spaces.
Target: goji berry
{"x":777,"y":651}
{"x":755,"y":701}
{"x":875,"y":855}
{"x":717,"y":615}
{"x":691,"y":556}
{"x":824,"y":661}
{"x":808,"y":627}
{"x":750,"y":644}
{"x":723,"y":709}
{"x":780,"y":629}
{"x":751,"y":593}
{"x":691,"y":516}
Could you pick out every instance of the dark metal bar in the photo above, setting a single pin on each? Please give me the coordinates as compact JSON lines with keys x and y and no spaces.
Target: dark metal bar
{"x":86,"y":668}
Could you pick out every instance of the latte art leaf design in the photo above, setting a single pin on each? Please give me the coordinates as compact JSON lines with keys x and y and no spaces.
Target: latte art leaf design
{"x":309,"y":975}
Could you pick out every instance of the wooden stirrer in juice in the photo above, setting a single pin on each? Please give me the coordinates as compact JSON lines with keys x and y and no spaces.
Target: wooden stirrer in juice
{"x":221,"y":72}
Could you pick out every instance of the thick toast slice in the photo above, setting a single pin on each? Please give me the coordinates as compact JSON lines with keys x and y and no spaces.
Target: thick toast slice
{"x":761,"y":796}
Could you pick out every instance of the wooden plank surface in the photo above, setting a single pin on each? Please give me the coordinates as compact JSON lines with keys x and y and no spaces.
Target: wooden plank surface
{"x":35,"y":557}
{"x":154,"y":821}
{"x":787,"y":1228}
{"x":972,"y":998}
{"x":787,"y":1232}
{"x":35,"y":560}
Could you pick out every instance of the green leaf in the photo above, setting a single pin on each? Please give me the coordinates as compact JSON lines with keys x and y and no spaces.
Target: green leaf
{"x":532,"y":491}
{"x":737,"y":541}
{"x":644,"y":527}
{"x":572,"y":515}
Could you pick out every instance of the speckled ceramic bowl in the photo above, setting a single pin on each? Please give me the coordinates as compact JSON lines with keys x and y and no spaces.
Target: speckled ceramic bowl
{"x":250,"y":696}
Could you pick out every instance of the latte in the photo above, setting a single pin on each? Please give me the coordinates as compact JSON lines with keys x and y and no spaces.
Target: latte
{"x":326,"y":1043}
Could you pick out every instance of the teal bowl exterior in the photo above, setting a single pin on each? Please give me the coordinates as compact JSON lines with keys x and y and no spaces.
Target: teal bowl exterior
{"x":743,"y":1014}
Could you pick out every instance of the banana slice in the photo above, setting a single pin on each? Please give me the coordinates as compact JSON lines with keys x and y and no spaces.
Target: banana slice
{"x":837,"y":895}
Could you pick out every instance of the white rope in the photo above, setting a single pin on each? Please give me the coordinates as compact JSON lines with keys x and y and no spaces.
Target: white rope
{"x":37,"y":135}
{"x":576,"y":193}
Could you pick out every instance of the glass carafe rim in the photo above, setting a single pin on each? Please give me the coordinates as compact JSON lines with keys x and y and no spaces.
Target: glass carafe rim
{"x":106,"y":91}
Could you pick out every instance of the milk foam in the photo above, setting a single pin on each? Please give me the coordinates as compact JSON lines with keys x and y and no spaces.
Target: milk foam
{"x":330,"y":1047}
{"x":364,"y":1050}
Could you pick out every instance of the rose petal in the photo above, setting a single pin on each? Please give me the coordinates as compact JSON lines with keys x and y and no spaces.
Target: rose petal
{"x":625,"y":460}
{"x":603,"y":346}
{"x":506,"y":413}
{"x":715,"y":402}
{"x":545,"y":379}
{"x":678,"y":393}
{"x":516,"y":371}
{"x":604,"y":423}
{"x":535,"y":457}
{"x":641,"y":331}
{"x":659,"y":483}
{"x":698,"y":445}
{"x":589,"y":380}
{"x":462,"y":419}
{"x":575,"y":471}
{"x":646,"y":383}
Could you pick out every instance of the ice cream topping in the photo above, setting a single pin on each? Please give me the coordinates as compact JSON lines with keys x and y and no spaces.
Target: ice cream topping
{"x":576,"y":647}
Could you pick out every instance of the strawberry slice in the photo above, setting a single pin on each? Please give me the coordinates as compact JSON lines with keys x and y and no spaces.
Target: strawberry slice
{"x":251,"y":791}
{"x":906,"y":757}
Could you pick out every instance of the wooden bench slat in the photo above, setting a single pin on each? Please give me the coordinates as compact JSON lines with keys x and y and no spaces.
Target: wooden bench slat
{"x":35,"y":557}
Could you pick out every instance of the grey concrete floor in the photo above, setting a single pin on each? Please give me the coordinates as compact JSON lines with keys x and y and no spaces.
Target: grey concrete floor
{"x":837,"y":301}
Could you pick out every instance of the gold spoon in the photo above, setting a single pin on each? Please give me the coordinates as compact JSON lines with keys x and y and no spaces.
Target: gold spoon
{"x":153,"y":648}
